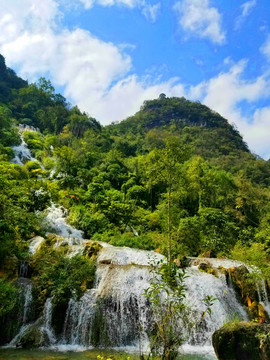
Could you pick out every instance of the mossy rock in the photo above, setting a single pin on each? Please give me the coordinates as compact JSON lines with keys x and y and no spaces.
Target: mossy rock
{"x":182,"y":262}
{"x":10,"y":267}
{"x":204,"y":267}
{"x":246,"y":290}
{"x":34,"y":337}
{"x":91,"y":250}
{"x":242,"y":341}
{"x":207,"y":254}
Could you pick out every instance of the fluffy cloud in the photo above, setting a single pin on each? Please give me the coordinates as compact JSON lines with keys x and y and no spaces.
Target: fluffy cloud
{"x":151,"y":12}
{"x":129,"y":3}
{"x":246,"y":9}
{"x":95,"y":74}
{"x":198,"y":18}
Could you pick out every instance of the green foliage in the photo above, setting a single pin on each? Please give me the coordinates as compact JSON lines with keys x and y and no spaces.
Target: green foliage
{"x":8,"y":297}
{"x":166,"y":295}
{"x":56,"y":275}
{"x":255,"y":254}
{"x":146,"y":242}
{"x":176,"y":171}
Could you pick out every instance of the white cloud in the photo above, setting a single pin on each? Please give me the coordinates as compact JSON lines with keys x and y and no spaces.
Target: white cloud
{"x":198,"y":18}
{"x":246,"y":9}
{"x":265,"y":49}
{"x":129,"y":3}
{"x":151,"y":12}
{"x":225,"y":92}
{"x":95,"y":74}
{"x":87,"y":3}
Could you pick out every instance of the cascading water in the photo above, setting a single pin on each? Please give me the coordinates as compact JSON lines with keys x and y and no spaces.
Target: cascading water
{"x":47,"y":320}
{"x":27,"y":303}
{"x":22,"y":152}
{"x":56,"y":218}
{"x":263,"y":297}
{"x":115,"y":312}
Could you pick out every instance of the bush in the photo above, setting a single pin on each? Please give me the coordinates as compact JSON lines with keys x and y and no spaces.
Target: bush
{"x":56,"y":275}
{"x":8,"y":297}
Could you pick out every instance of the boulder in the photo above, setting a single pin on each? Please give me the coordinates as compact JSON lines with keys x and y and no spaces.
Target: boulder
{"x":205,"y":267}
{"x":91,"y":250}
{"x":242,"y":341}
{"x":34,"y":336}
{"x":245,"y":288}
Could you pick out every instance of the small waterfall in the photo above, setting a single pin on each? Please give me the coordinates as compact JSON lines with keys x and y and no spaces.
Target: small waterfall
{"x":35,"y":243}
{"x":27,"y":303}
{"x":47,"y":321}
{"x":115,"y":312}
{"x":22,"y":153}
{"x":56,"y":219}
{"x":263,"y":297}
{"x":24,"y":269}
{"x":199,"y":285}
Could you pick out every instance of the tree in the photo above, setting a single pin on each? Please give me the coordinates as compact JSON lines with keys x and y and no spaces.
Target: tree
{"x":164,"y":166}
{"x":166,"y":294}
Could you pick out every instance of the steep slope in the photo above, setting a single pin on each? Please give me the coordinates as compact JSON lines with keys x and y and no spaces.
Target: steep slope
{"x":191,"y":121}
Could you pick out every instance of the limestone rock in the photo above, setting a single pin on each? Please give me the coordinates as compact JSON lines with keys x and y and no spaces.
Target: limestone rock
{"x":242,"y":341}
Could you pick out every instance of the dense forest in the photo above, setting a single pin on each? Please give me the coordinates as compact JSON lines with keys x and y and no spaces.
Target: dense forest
{"x":176,"y":173}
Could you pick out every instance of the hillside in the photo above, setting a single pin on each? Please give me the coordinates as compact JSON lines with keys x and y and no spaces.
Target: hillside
{"x":176,"y":173}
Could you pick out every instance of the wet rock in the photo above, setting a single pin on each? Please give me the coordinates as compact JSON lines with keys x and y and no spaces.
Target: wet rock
{"x":242,"y":341}
{"x":182,"y":263}
{"x":204,"y":267}
{"x":34,"y":337}
{"x":92,"y":249}
{"x":208,"y":254}
{"x":106,"y":261}
{"x":246,"y":289}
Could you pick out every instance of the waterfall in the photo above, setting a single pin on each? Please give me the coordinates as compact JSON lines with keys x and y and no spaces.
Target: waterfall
{"x":35,"y":244}
{"x":47,"y":321}
{"x":22,"y":152}
{"x":115,"y":312}
{"x":263,"y":297}
{"x":24,"y":269}
{"x":27,"y":303}
{"x":56,"y":219}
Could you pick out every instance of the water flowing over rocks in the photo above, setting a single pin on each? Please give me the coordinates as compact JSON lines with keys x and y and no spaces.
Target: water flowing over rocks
{"x":115,"y":312}
{"x":22,"y":152}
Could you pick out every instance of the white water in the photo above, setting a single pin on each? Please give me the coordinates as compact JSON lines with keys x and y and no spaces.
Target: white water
{"x":27,"y":303}
{"x":22,"y":152}
{"x":56,"y":218}
{"x":115,"y":311}
{"x":47,"y":321}
{"x":263,"y":297}
{"x":35,"y":244}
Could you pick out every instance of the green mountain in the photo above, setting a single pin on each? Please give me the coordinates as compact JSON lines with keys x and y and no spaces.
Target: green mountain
{"x":123,"y":176}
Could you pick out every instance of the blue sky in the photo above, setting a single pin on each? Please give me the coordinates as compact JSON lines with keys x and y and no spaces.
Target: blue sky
{"x":108,"y":56}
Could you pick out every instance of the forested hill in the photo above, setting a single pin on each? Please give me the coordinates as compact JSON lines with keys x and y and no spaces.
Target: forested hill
{"x":193,"y":122}
{"x":120,"y":177}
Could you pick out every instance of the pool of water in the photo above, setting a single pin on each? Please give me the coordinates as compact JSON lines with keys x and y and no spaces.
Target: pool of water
{"x":19,"y":354}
